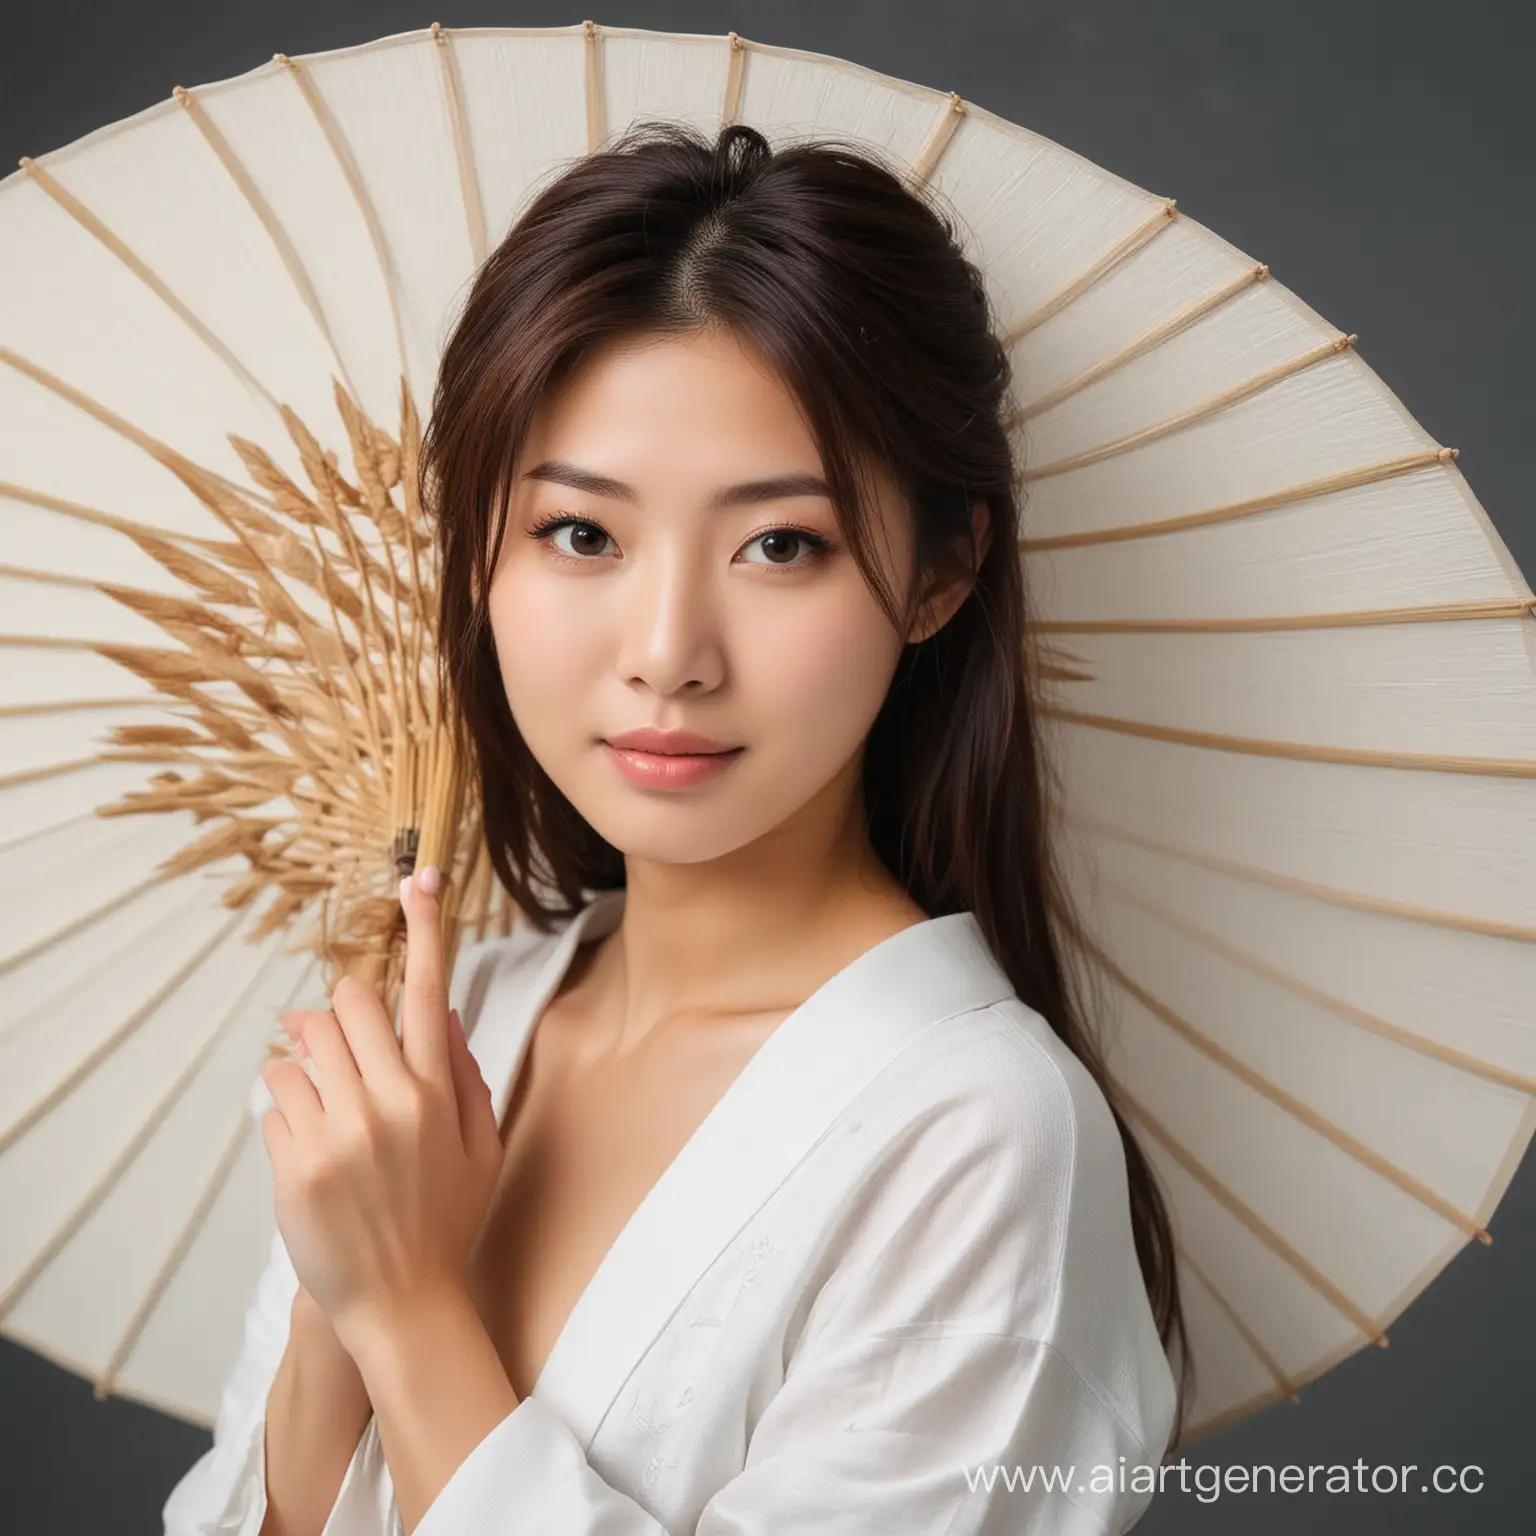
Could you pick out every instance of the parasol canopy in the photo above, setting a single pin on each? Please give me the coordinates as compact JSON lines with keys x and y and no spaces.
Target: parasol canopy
{"x":1292,"y":673}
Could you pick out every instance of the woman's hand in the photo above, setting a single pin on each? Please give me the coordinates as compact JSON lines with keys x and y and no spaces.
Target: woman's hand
{"x":384,"y":1166}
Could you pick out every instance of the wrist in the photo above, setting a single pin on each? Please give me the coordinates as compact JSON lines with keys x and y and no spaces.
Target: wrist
{"x":308,"y":1317}
{"x":315,"y":1333}
{"x":401,"y":1350}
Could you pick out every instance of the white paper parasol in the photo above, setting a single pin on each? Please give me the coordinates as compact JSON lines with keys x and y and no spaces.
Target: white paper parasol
{"x":1295,"y":710}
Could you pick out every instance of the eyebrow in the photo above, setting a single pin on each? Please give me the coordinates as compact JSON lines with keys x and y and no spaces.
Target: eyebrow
{"x":748,"y":493}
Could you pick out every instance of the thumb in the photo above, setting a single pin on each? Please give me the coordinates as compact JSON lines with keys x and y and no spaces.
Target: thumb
{"x":477,"y":1115}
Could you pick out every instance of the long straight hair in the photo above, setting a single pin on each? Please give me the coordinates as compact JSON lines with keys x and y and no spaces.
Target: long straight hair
{"x":856,"y":290}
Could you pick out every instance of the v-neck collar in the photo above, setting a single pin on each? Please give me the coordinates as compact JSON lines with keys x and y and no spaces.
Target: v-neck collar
{"x":791,"y":1090}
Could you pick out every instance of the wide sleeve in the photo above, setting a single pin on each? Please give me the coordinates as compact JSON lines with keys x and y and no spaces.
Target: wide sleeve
{"x":978,"y":1357}
{"x":224,"y":1492}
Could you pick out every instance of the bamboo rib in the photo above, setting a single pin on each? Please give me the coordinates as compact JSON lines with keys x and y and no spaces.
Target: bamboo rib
{"x":77,"y":924}
{"x":37,"y":775}
{"x":1309,"y":490}
{"x":1351,"y":1146}
{"x":103,"y":1185}
{"x":56,"y":579}
{"x":348,"y":167}
{"x":1148,"y":341}
{"x":735,"y":66}
{"x":1281,"y":1379}
{"x":298,"y":274}
{"x":939,"y":135}
{"x":1355,"y":901}
{"x":72,"y":706}
{"x":463,"y":151}
{"x":140,"y":599}
{"x":151,"y":279}
{"x":181,"y":1244}
{"x":54,"y":643}
{"x":1147,"y":230}
{"x":102,"y":1387}
{"x":1360,"y":757}
{"x":161,"y":453}
{"x":592,"y":86}
{"x":109,"y":1043}
{"x":1196,"y":413}
{"x":36,"y":831}
{"x":1505,"y":1077}
{"x":1250,"y":1218}
{"x":171,"y":918}
{"x":1422,"y":613}
{"x":78,"y":510}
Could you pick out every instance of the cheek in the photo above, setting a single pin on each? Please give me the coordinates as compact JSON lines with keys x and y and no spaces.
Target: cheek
{"x":544,"y":649}
{"x":816,"y":684}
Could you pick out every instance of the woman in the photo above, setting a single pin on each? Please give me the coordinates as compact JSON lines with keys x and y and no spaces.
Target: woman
{"x":781,"y":1187}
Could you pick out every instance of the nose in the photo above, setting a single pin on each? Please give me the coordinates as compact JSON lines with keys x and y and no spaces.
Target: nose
{"x":670,"y":639}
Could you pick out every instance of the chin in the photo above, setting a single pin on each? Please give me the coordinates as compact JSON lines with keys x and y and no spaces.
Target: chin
{"x":666,"y":828}
{"x":675,"y":845}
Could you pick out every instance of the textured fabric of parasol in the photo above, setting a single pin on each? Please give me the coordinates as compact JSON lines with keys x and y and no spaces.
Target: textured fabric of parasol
{"x":1292,"y":672}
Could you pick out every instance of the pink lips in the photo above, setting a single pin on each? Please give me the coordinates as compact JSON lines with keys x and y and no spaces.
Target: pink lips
{"x":669,"y":759}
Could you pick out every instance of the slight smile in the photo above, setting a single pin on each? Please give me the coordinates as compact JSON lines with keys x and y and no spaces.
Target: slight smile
{"x":668,"y":759}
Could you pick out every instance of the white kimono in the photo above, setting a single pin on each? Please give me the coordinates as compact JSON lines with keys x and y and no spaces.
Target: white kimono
{"x":888,"y":1286}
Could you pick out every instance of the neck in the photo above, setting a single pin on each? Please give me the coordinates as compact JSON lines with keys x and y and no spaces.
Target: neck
{"x":755,"y":931}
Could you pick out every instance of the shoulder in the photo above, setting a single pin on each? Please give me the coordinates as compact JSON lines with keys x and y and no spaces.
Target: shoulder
{"x":997,"y":1085}
{"x":995,"y":1171}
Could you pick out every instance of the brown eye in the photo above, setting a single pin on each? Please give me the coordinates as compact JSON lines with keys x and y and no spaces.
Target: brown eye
{"x":587,"y":538}
{"x":781,"y":545}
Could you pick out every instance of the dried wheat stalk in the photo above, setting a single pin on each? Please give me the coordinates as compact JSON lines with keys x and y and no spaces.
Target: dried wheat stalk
{"x":301,"y":692}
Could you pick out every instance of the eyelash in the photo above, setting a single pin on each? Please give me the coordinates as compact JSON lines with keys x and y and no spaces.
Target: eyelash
{"x":547,"y":525}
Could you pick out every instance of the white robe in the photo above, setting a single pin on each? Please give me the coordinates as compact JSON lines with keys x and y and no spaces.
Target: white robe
{"x":889,"y":1278}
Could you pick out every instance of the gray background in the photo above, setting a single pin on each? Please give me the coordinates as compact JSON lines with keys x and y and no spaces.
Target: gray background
{"x":1379,"y":158}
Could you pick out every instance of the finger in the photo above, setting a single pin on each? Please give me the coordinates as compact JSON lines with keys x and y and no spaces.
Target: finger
{"x":294,"y":1096}
{"x":277,"y":1138}
{"x":293,"y":1026}
{"x":336,"y":1075}
{"x":369,"y":1033}
{"x":424,"y":1022}
{"x":295,"y":1023}
{"x":477,"y":1114}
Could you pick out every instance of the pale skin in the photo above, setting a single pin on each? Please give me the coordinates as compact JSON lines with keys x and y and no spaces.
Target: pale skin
{"x":439,"y":1254}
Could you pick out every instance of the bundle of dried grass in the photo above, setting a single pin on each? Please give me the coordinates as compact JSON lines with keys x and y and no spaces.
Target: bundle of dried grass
{"x":307,"y":701}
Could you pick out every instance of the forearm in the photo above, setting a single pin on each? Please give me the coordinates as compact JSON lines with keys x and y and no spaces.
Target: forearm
{"x":438,"y":1388}
{"x":317,"y":1410}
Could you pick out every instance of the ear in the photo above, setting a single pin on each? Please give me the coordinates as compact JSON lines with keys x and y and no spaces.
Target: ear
{"x":946,"y":597}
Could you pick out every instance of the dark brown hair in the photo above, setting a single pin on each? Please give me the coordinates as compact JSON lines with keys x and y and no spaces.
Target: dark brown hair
{"x":856,"y":290}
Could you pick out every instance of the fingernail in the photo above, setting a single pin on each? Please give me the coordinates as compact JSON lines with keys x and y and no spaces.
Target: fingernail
{"x":301,"y":1050}
{"x":429,"y":880}
{"x":405,"y":889}
{"x":458,"y":1023}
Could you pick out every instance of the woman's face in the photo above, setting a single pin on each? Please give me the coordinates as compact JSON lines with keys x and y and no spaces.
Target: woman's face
{"x":695,"y":581}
